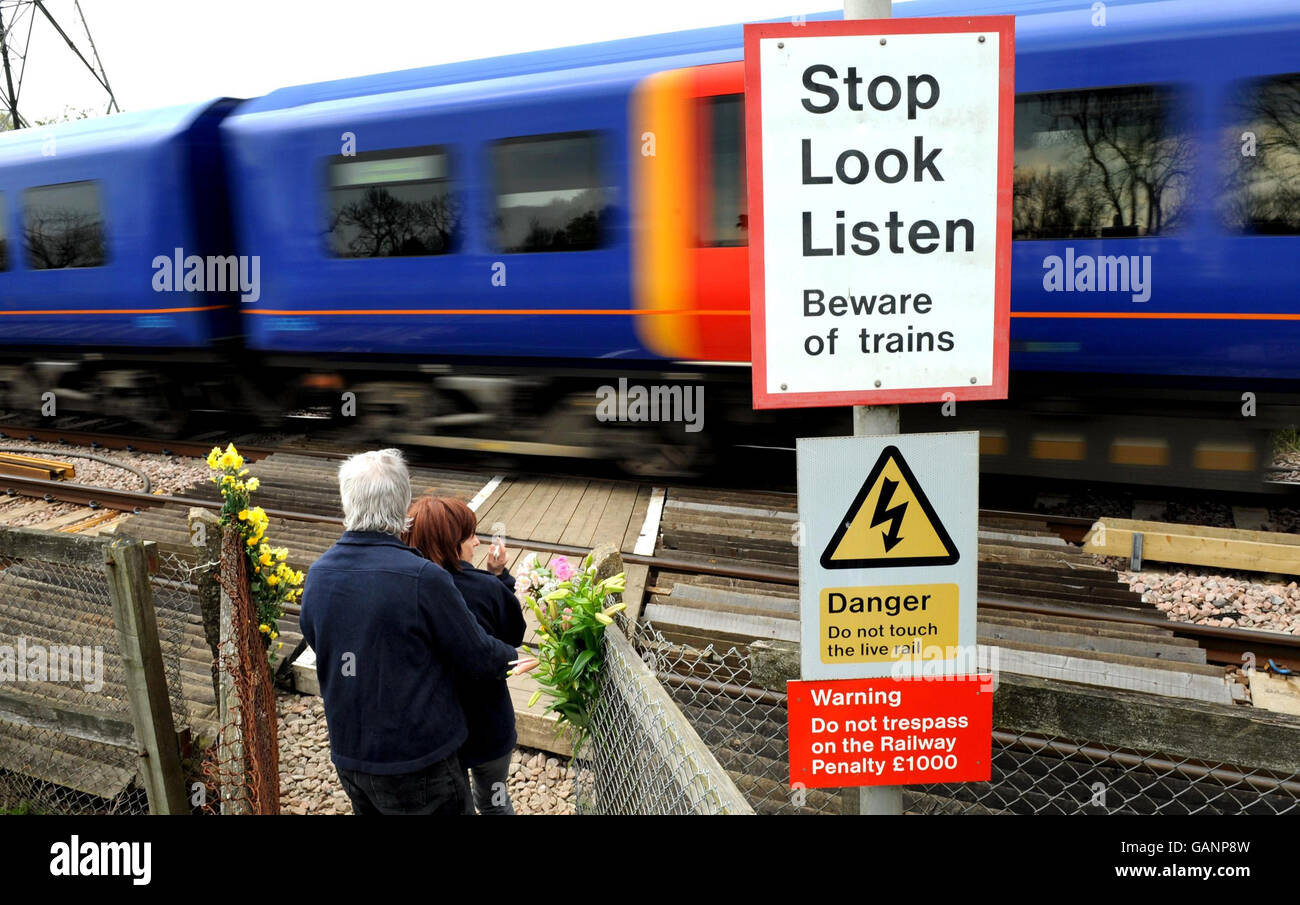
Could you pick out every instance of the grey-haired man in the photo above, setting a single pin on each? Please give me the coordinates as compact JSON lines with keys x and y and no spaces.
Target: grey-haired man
{"x":390,"y":632}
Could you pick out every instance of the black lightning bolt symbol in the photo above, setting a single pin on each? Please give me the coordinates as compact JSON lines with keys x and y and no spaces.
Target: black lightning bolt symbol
{"x":884,"y":514}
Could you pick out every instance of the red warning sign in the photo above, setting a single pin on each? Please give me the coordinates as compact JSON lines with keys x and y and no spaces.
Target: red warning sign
{"x":890,"y":732}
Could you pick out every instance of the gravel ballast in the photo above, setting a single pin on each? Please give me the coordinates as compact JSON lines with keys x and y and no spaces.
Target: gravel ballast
{"x":539,"y":783}
{"x":1228,"y":600}
{"x":168,"y":474}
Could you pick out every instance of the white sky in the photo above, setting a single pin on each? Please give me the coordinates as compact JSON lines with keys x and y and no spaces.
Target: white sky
{"x":162,"y":52}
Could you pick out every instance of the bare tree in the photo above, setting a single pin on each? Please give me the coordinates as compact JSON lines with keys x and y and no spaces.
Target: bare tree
{"x":1261,"y":190}
{"x":1131,"y":169}
{"x":381,"y":225}
{"x":58,"y":238}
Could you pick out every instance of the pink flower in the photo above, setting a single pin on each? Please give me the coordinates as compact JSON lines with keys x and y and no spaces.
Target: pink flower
{"x":562,"y":569}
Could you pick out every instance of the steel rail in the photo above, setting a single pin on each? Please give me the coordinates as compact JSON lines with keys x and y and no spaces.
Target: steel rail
{"x":1238,"y":641}
{"x":191,"y":448}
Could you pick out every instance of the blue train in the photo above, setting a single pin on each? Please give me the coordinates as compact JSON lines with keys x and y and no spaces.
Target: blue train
{"x":470,"y":249}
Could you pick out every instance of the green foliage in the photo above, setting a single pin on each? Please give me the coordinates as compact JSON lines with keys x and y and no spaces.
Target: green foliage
{"x":1287,"y":442}
{"x":24,"y":808}
{"x":272,"y":583}
{"x":572,"y":616}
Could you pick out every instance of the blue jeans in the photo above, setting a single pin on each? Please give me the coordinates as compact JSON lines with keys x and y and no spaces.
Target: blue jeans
{"x":490,"y":794}
{"x":439,"y":788}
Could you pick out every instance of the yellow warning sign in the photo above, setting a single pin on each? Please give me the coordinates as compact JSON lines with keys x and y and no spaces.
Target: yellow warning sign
{"x":890,"y":523}
{"x":883,"y":624}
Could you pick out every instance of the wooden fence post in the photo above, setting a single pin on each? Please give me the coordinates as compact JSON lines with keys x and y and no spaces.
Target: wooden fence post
{"x":146,"y":681}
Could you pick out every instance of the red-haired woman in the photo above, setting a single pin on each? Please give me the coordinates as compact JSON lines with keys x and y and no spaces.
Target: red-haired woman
{"x":444,"y":530}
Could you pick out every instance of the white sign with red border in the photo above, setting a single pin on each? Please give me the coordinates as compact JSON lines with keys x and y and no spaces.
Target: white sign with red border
{"x":879,"y":155}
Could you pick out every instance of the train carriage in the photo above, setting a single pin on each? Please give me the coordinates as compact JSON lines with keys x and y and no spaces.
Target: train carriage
{"x":482,"y":244}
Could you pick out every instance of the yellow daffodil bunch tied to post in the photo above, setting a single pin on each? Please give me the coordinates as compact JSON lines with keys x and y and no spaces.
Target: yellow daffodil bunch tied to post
{"x":572,"y":611}
{"x":272,"y":583}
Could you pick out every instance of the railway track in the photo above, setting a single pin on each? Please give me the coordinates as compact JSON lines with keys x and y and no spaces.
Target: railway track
{"x":1029,"y":567}
{"x":720,"y":574}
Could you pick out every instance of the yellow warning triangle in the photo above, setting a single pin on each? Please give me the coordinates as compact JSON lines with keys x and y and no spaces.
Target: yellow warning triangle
{"x":890,"y":523}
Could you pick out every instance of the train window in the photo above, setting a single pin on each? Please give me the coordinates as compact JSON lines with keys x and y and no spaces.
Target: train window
{"x":550,"y":195}
{"x":395,"y":203}
{"x":725,"y":216}
{"x":1262,"y":194}
{"x":4,"y":233}
{"x":1102,"y":163}
{"x":63,"y":226}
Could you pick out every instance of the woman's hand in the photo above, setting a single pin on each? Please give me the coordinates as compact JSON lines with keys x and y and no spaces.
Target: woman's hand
{"x":496,"y":561}
{"x":522,"y":665}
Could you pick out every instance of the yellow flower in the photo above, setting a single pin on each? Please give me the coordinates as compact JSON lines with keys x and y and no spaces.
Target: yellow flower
{"x":265,"y":559}
{"x":264,"y":628}
{"x":252,"y":484}
{"x":274,"y":635}
{"x":213,"y":456}
{"x":243,"y":515}
{"x":252,"y":541}
{"x":272,"y":580}
{"x":225,"y":461}
{"x":282,"y":554}
{"x":243,"y":471}
{"x":227,"y":480}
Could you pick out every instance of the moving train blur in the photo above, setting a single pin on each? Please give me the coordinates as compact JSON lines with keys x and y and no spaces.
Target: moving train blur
{"x":466,"y":254}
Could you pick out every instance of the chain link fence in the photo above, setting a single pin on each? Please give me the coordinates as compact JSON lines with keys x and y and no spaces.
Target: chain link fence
{"x":746,"y":728}
{"x":66,"y":738}
{"x":70,"y":701}
{"x":1035,"y":774}
{"x":189,"y":663}
{"x":641,"y":755}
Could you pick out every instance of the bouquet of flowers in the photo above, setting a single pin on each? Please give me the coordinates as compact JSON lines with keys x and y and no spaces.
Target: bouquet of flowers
{"x":572,"y":611}
{"x":272,"y":583}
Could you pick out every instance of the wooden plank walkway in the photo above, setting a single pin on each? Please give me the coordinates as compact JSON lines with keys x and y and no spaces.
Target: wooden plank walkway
{"x":573,"y":511}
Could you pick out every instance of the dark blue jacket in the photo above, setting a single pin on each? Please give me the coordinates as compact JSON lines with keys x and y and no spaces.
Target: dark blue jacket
{"x":489,"y":712}
{"x":392,"y":636}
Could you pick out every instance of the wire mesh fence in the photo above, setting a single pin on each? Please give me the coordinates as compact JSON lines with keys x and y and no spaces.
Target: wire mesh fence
{"x":189,"y":661}
{"x":1036,"y":774}
{"x":641,"y":755}
{"x":67,"y":742}
{"x":746,"y":728}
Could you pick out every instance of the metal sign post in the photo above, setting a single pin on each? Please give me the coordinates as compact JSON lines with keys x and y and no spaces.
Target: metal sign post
{"x":879,"y":162}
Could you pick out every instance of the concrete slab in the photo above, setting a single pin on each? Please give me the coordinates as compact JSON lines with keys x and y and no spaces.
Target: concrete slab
{"x":1250,"y":518}
{"x":1149,"y":510}
{"x":304,"y":673}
